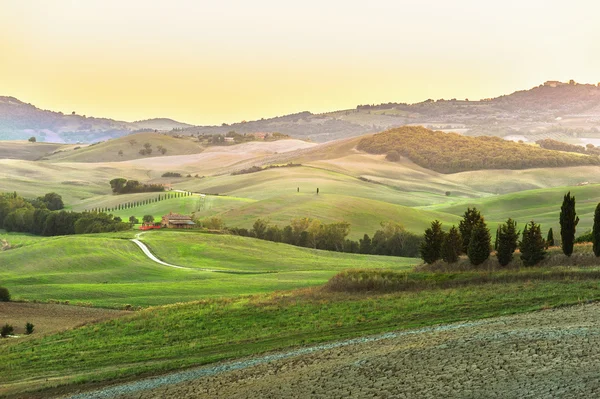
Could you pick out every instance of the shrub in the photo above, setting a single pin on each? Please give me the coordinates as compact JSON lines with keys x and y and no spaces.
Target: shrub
{"x":392,"y":156}
{"x":29,"y":328}
{"x":4,"y":295}
{"x":6,"y":331}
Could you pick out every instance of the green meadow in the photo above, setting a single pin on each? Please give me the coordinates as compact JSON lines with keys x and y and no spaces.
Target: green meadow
{"x":111,"y":271}
{"x":171,"y":337}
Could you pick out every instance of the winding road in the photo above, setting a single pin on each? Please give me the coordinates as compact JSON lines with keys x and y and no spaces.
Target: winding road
{"x":137,"y":241}
{"x":150,"y":255}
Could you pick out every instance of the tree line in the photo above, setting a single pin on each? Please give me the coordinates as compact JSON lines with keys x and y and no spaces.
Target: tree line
{"x":451,"y":152}
{"x":391,"y":239}
{"x":473,"y":238}
{"x":550,"y":144}
{"x":133,"y":204}
{"x":23,"y":215}
{"x":124,"y":186}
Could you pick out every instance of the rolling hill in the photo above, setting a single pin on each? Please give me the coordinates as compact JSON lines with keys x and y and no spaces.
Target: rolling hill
{"x":19,"y":121}
{"x":564,"y":111}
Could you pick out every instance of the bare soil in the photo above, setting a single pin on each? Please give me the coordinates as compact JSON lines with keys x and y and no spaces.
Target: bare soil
{"x":49,"y":318}
{"x":546,"y":354}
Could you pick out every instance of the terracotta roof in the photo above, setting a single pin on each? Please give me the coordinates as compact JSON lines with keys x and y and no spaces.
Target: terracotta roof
{"x":181,"y":222}
{"x":176,"y":216}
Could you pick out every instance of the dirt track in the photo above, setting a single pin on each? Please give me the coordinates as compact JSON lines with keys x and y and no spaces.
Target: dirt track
{"x":548,"y":354}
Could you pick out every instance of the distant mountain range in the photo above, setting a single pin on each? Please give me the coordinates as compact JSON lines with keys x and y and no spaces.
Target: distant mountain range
{"x":553,"y":109}
{"x":20,"y":121}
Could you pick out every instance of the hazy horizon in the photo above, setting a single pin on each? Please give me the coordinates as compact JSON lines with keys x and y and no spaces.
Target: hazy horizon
{"x":213,"y":63}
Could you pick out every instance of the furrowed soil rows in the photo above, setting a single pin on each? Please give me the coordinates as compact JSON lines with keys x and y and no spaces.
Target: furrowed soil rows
{"x":551,"y":353}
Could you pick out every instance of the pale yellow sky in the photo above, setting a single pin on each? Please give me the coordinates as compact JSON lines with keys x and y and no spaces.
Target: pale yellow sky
{"x":208,"y":62}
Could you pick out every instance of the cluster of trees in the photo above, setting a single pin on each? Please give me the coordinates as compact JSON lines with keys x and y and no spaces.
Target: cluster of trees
{"x":473,"y":238}
{"x":451,"y":152}
{"x":33,"y":216}
{"x":146,"y":148}
{"x":550,"y":144}
{"x":171,"y":174}
{"x":255,"y":168}
{"x":124,"y":186}
{"x":133,"y":204}
{"x":219,"y":139}
{"x":392,"y":239}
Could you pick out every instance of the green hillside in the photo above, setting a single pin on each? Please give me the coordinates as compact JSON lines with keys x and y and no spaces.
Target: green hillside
{"x":364,"y":215}
{"x":108,"y":270}
{"x":542,"y":205}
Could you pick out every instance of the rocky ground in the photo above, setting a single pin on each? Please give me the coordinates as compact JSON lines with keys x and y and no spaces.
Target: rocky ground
{"x":546,"y":354}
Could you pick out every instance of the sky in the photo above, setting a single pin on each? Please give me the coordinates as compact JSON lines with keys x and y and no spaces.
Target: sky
{"x":209,"y":62}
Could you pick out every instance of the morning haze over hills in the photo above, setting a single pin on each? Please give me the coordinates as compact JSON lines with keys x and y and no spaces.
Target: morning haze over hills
{"x":553,"y":109}
{"x":252,"y":200}
{"x":200,"y":245}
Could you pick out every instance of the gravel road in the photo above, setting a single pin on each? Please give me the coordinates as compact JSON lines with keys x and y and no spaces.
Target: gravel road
{"x":547,"y":354}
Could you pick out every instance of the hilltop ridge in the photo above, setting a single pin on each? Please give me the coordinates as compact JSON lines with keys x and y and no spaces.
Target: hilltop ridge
{"x":557,"y":110}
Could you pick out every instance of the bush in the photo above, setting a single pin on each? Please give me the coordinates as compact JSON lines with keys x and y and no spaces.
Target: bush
{"x":4,"y":295}
{"x":6,"y":331}
{"x":29,"y":328}
{"x":392,"y":156}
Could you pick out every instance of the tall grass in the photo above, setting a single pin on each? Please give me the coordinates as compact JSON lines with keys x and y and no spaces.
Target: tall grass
{"x":381,"y":281}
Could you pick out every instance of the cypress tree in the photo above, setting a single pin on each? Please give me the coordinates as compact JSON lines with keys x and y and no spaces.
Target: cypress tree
{"x":432,"y":244}
{"x":451,"y":245}
{"x":568,"y":224}
{"x":508,"y":237}
{"x":479,"y":245}
{"x":496,"y":240}
{"x":596,"y":231}
{"x":550,"y":238}
{"x":365,"y":246}
{"x":470,"y":219}
{"x":533,"y":247}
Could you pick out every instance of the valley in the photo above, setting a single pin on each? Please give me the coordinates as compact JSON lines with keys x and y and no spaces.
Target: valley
{"x":260,"y":296}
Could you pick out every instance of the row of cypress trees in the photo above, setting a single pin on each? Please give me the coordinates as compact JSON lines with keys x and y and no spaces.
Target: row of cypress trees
{"x":473,"y":238}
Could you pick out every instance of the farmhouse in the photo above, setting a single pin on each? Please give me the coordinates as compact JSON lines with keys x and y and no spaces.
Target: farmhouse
{"x":177,"y":221}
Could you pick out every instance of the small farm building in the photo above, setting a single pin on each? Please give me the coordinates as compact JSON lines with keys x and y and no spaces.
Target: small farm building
{"x":177,"y":221}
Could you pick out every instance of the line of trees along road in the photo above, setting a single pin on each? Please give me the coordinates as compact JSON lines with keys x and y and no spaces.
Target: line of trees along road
{"x":473,"y":238}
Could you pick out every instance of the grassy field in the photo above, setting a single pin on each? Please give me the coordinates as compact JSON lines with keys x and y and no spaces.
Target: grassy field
{"x":542,"y":205}
{"x":108,"y":151}
{"x":108,"y":270}
{"x":182,"y":335}
{"x":30,"y":151}
{"x":364,"y":215}
{"x":201,"y":206}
